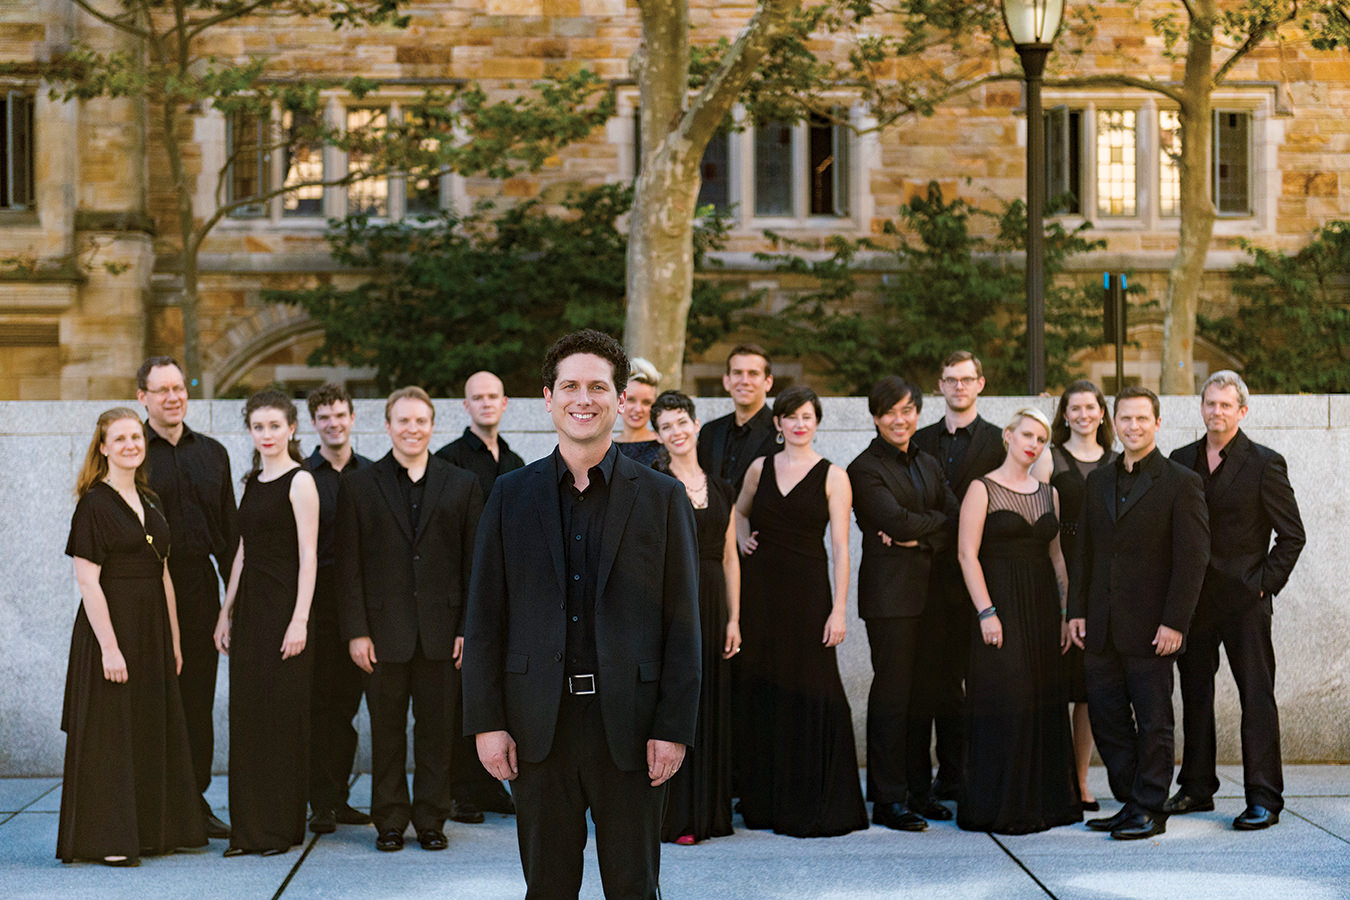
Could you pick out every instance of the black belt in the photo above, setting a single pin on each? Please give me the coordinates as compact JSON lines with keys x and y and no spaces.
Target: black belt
{"x":581,"y":684}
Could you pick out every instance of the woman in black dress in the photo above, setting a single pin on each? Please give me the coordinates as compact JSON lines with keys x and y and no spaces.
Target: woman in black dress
{"x":1019,"y":752}
{"x":129,"y":790}
{"x":263,"y":627}
{"x":698,"y":805}
{"x":637,"y":440}
{"x":1080,"y":441}
{"x":798,"y":770}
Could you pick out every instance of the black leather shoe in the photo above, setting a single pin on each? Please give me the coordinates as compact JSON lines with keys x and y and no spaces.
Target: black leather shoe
{"x":1091,"y":806}
{"x":898,"y":816}
{"x":945,"y":790}
{"x":215,"y":828}
{"x":232,"y":852}
{"x":389,"y":841}
{"x":121,"y":862}
{"x":465,"y":811}
{"x":930,"y":809}
{"x":324,"y":821}
{"x":1110,"y":823}
{"x":1140,"y":826}
{"x":1254,"y":818}
{"x":432,"y":839}
{"x":349,"y":815}
{"x":1181,"y":803}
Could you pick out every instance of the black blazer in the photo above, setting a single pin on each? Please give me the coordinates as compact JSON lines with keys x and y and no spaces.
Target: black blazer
{"x":893,"y":581}
{"x":985,"y":454}
{"x":646,"y":613}
{"x":712,"y":445}
{"x":396,"y":587}
{"x":1139,"y":564}
{"x":1250,"y":498}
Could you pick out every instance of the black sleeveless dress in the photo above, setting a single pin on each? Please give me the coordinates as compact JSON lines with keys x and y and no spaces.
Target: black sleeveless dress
{"x":799,"y":772}
{"x":699,"y":798}
{"x":1020,"y":774}
{"x":269,"y":696}
{"x":1069,"y":478}
{"x":129,"y":788}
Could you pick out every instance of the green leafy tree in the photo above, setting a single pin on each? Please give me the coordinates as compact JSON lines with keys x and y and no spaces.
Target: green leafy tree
{"x":448,"y":295}
{"x":952,"y":289}
{"x":1293,"y":328}
{"x":163,"y":62}
{"x":1205,"y":40}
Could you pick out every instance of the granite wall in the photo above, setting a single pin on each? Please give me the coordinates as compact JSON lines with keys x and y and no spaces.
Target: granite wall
{"x":43,"y":443}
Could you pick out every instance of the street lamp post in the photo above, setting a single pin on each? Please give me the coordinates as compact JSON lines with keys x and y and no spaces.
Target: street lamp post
{"x":1033,"y":24}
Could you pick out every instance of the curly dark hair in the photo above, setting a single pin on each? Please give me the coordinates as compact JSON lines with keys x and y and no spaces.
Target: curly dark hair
{"x":327,"y":395}
{"x":272,"y":399}
{"x":672,"y":401}
{"x":587,"y":340}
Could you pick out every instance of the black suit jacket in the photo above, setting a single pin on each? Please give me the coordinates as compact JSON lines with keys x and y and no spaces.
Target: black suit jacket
{"x":985,"y":454}
{"x":397,"y":587}
{"x":646,"y":614}
{"x":1139,"y":564}
{"x":893,"y":581}
{"x":712,"y":446}
{"x":1250,"y":497}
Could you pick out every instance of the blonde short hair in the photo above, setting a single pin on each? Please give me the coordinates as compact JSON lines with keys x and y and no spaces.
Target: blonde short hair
{"x":1028,"y":412}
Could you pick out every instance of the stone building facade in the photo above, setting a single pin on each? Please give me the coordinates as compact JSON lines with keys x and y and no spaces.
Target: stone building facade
{"x":80,"y":187}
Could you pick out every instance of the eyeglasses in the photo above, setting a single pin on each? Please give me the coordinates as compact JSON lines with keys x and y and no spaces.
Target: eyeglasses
{"x":966,"y":381}
{"x":178,"y":390}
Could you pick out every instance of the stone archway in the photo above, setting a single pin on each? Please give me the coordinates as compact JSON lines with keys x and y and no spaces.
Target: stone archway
{"x":275,"y":327}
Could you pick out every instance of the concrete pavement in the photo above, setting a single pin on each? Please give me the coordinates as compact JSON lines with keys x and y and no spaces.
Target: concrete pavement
{"x":1305,"y":857}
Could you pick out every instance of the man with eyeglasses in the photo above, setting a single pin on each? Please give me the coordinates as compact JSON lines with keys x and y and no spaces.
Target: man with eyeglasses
{"x":191,"y":474}
{"x":966,"y":446}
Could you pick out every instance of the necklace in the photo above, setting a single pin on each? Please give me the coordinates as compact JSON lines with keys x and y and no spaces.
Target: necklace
{"x":146,"y":506}
{"x":698,"y":496}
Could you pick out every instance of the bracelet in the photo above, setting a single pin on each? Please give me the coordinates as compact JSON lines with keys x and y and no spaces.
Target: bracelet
{"x":987,"y":613}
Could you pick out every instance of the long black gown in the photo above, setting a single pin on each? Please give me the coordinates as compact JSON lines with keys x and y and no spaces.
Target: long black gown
{"x":799,"y":772}
{"x":1020,"y":774}
{"x":1069,"y":478}
{"x":699,"y":798}
{"x":128,"y":789}
{"x":269,"y":696}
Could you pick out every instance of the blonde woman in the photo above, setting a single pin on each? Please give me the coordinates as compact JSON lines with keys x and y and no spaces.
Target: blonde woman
{"x":638,"y":441}
{"x":1019,"y":754}
{"x":129,"y":788}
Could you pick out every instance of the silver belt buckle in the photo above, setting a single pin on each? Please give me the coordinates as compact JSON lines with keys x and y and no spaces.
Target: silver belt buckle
{"x":581,"y":684}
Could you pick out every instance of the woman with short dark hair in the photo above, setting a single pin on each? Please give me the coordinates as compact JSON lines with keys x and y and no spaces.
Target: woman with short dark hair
{"x":129,"y":790}
{"x":797,"y":766}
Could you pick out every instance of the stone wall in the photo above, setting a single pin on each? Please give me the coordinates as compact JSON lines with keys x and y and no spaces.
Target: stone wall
{"x":43,"y":444}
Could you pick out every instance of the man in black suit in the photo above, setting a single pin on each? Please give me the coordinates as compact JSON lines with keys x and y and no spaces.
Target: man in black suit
{"x":905,"y":511}
{"x":191,"y":474}
{"x":581,"y":665}
{"x":484,"y":452}
{"x":405,"y":532}
{"x":1143,"y":544}
{"x":1248,"y":494}
{"x":337,"y":684}
{"x":966,"y":446}
{"x":728,"y":444}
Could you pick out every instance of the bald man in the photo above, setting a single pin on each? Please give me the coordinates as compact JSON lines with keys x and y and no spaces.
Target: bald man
{"x":482,"y":451}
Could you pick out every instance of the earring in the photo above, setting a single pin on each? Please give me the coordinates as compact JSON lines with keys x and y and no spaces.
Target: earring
{"x":779,"y":438}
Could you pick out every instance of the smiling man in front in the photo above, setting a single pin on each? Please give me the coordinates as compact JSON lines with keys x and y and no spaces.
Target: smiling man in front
{"x":581,"y":662}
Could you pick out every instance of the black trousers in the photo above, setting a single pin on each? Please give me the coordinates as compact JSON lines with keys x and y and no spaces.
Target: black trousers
{"x":432,"y":686}
{"x":894,"y":646}
{"x":197,"y":594}
{"x":1244,"y":630}
{"x":552,"y":797}
{"x":938,"y":697}
{"x":1130,"y":707}
{"x":334,"y":700}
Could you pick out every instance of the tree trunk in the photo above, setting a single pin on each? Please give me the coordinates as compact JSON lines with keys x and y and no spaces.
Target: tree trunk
{"x":188,"y":245}
{"x":1197,"y":210}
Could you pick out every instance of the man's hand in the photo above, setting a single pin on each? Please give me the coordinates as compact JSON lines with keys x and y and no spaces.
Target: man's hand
{"x":663,"y":760}
{"x":1167,"y":640}
{"x":497,"y":753}
{"x":458,"y":655}
{"x":362,"y":651}
{"x":1077,"y":632}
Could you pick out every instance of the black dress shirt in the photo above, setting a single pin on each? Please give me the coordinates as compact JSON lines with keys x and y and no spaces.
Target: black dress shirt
{"x":469,"y":452}
{"x":583,"y":521}
{"x":412,"y":492}
{"x":192,"y":479}
{"x":1125,"y":478}
{"x":743,"y":440}
{"x":1202,"y":464}
{"x":952,"y":447}
{"x":326,"y":479}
